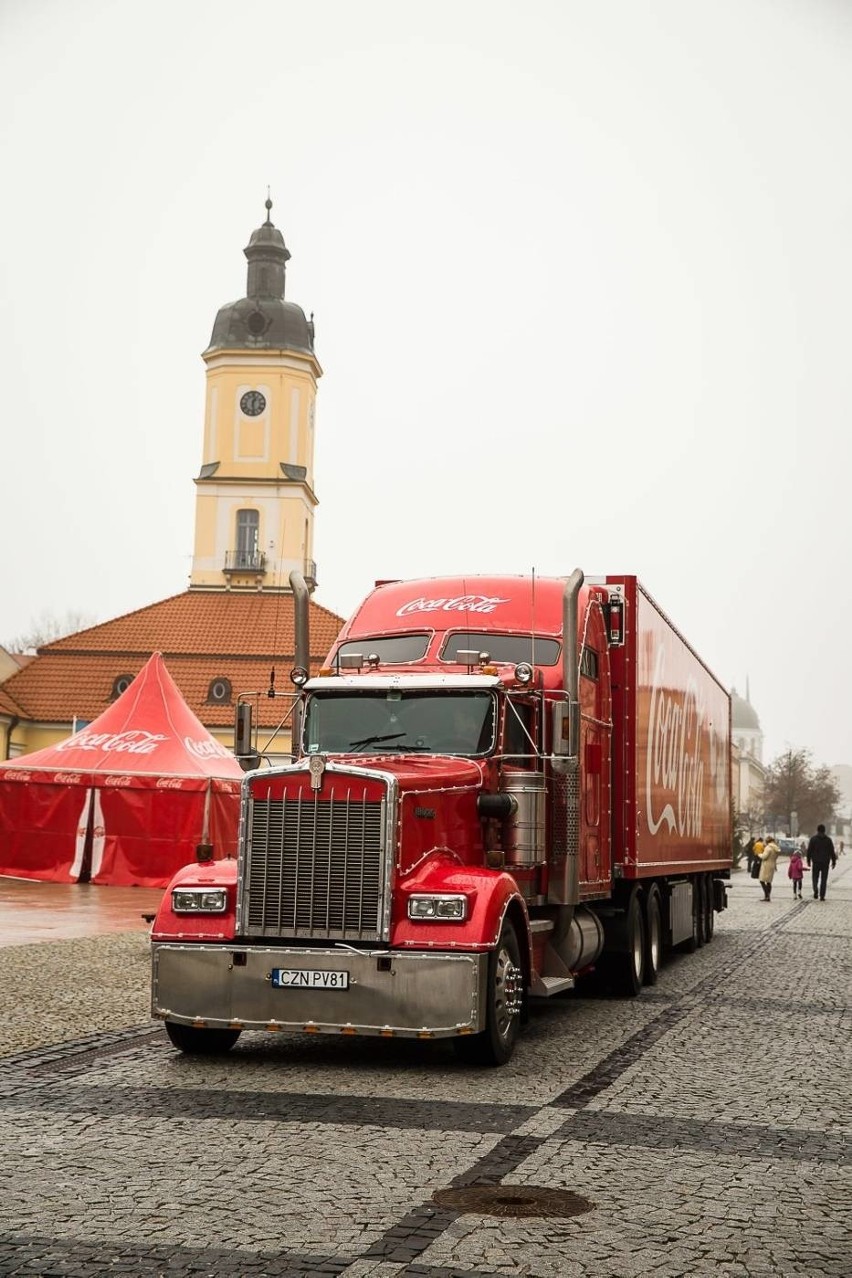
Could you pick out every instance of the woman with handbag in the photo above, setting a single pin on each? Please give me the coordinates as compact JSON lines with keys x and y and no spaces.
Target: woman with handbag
{"x":756,"y":854}
{"x":768,"y":864}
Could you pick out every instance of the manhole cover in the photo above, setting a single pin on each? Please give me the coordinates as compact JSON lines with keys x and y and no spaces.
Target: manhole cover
{"x":512,"y":1200}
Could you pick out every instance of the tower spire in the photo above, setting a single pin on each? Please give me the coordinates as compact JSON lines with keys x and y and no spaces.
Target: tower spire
{"x":267,"y":258}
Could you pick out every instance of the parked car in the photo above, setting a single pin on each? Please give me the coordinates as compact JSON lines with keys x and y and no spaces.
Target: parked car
{"x":788,"y":846}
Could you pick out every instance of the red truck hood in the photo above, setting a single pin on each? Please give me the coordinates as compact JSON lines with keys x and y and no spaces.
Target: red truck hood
{"x":415,"y":772}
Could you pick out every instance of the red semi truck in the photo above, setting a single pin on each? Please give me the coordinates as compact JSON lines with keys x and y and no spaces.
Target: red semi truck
{"x":499,"y":784}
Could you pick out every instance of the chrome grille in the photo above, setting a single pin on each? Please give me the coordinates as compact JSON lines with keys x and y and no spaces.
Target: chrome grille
{"x":315,"y":867}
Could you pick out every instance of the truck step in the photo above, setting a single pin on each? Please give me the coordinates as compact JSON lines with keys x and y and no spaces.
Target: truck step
{"x":547,"y":986}
{"x":541,"y":925}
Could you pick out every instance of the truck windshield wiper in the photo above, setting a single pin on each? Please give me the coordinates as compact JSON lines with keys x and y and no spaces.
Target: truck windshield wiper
{"x":365,"y":741}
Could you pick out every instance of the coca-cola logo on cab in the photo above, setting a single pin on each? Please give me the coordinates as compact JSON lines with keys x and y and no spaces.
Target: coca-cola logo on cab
{"x":458,"y":603}
{"x":136,"y":741}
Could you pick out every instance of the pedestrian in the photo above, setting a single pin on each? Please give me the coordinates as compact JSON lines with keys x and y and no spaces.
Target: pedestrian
{"x":820,"y":854}
{"x":768,"y":864}
{"x":796,"y":872}
{"x":749,"y":851}
{"x":757,"y":854}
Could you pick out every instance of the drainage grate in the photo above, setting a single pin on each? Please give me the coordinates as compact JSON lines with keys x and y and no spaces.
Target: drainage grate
{"x":512,"y":1200}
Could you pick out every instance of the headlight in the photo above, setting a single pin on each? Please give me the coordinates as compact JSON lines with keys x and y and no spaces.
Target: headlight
{"x":199,"y":900}
{"x":438,"y":908}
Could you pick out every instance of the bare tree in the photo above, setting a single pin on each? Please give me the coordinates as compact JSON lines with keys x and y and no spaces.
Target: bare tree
{"x":47,"y":628}
{"x":794,"y":785}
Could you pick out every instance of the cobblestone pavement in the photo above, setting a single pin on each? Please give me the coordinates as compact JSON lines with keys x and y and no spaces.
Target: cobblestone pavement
{"x":706,"y":1124}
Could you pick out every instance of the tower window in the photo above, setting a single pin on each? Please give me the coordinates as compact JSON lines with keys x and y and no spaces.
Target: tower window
{"x":248,"y":535}
{"x":219,"y":692}
{"x":256,"y":323}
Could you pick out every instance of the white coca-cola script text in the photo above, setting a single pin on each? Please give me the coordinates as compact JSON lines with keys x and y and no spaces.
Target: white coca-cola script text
{"x":460,"y":603}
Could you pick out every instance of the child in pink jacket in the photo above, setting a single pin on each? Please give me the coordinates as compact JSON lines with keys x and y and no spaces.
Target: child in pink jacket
{"x":796,"y":872}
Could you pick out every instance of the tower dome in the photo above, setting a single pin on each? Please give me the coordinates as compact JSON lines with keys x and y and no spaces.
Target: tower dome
{"x":263,"y":320}
{"x":744,"y":717}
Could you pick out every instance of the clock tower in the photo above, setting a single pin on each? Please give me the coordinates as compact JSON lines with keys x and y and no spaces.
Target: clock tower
{"x":254,"y":514}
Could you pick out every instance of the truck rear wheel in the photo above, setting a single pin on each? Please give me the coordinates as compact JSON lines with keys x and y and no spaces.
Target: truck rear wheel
{"x":201,"y":1042}
{"x":630,"y":970}
{"x":505,"y":989}
{"x":653,"y":935}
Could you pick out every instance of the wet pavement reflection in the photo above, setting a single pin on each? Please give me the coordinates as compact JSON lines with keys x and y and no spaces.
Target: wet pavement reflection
{"x":33,"y":911}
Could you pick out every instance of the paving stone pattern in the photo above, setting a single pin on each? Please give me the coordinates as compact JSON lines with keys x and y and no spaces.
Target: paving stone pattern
{"x":707,"y":1122}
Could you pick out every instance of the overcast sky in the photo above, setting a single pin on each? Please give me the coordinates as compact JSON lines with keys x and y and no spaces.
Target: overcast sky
{"x":581,"y":275}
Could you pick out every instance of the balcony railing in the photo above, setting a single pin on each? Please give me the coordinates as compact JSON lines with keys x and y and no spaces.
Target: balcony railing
{"x":242,"y":561}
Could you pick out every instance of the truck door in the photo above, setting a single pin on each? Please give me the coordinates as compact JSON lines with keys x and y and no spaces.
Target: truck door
{"x":595,"y":746}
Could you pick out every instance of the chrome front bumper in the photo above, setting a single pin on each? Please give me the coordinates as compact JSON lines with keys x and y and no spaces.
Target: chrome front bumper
{"x":435,"y":995}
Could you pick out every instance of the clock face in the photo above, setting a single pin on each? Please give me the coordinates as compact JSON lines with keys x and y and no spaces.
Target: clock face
{"x":253,"y":403}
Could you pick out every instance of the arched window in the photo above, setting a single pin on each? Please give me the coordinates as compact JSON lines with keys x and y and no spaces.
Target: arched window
{"x":248,"y":533}
{"x":219,"y":692}
{"x":120,"y":684}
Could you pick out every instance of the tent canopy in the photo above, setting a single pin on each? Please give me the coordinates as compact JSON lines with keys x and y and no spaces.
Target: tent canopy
{"x":148,"y":731}
{"x":125,"y":800}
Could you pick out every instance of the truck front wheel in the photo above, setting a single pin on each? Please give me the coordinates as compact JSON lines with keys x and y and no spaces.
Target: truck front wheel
{"x":504,"y":996}
{"x":201,"y":1042}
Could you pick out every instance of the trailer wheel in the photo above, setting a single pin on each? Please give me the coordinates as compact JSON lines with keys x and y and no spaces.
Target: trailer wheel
{"x":653,"y":935}
{"x":505,"y":993}
{"x":709,"y":912}
{"x":201,"y":1042}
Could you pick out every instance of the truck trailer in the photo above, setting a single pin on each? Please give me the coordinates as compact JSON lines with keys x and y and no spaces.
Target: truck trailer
{"x":499,"y":785}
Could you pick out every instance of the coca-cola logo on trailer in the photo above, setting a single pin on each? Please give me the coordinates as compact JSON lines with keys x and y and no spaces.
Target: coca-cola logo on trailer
{"x":674,"y":779}
{"x":459,"y":603}
{"x":135,"y":741}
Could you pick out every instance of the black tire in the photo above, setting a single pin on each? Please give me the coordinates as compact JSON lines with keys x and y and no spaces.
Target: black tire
{"x":653,"y":935}
{"x":622,"y":964}
{"x":709,"y":911}
{"x":201,"y":1042}
{"x":632,"y":974}
{"x":495,"y":1044}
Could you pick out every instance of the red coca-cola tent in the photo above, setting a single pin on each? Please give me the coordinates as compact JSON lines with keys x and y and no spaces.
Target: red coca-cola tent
{"x":125,"y":801}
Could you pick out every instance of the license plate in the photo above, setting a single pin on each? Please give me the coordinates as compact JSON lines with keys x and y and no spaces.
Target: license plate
{"x":303,"y":978}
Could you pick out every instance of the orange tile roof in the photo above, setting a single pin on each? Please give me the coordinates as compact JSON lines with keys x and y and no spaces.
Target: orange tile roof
{"x":203,"y":636}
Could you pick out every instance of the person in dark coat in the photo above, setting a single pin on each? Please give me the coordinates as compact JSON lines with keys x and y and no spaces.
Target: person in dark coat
{"x":820,"y":855}
{"x":749,"y":851}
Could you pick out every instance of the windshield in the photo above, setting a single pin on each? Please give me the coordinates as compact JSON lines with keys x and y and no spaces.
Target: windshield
{"x":390,"y":649}
{"x":514,"y":648}
{"x":390,"y":721}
